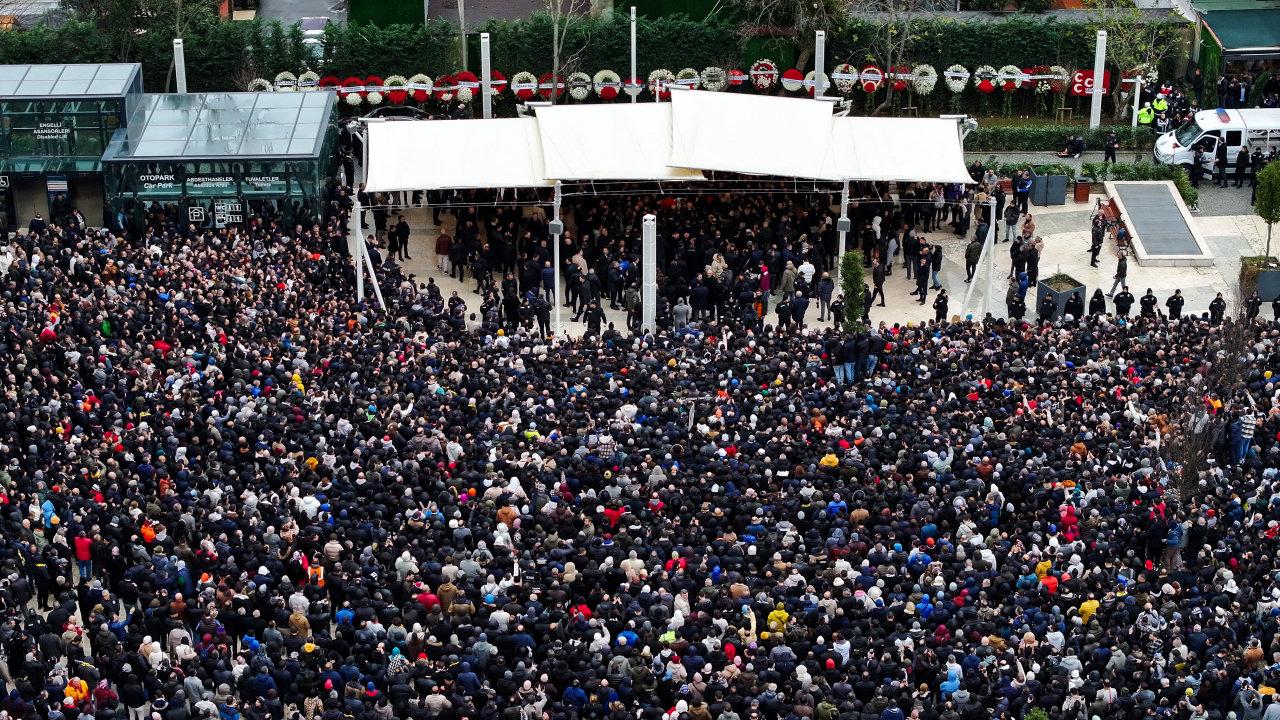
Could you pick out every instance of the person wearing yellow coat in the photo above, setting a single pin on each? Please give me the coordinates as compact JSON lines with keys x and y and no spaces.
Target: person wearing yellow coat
{"x":1087,"y":609}
{"x":77,"y":689}
{"x":778,"y":618}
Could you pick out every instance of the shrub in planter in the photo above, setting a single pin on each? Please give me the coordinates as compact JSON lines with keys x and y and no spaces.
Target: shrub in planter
{"x":1251,"y":266}
{"x":1060,"y":287}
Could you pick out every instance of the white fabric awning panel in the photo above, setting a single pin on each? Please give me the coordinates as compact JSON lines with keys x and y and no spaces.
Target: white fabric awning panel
{"x":454,"y":154}
{"x":609,"y":142}
{"x":894,"y":149}
{"x":754,"y":134}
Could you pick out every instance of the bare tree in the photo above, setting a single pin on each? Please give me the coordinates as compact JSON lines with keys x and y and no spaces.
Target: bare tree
{"x":893,"y":34}
{"x":562,"y":14}
{"x":1192,"y":431}
{"x":796,"y":19}
{"x":1134,"y":41}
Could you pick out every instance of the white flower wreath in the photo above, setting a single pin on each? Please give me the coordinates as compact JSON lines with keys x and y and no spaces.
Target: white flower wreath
{"x":957,"y":76}
{"x":764,"y":73}
{"x":524,"y":81}
{"x":605,"y":80}
{"x":353,"y":99}
{"x":926,"y":78}
{"x":465,"y":95}
{"x":810,"y":84}
{"x":659,"y":79}
{"x":986,"y":73}
{"x":846,"y":77}
{"x":579,"y":85}
{"x":308,"y":81}
{"x":286,"y":82}
{"x":260,"y":85}
{"x":689,"y":78}
{"x":715,"y":79}
{"x":374,"y":97}
{"x":1010,"y":75}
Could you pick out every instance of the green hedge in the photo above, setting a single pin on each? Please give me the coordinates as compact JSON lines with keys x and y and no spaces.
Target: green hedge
{"x":1037,"y":138}
{"x":223,"y":55}
{"x":594,"y":44}
{"x":1020,"y":40}
{"x":385,"y":12}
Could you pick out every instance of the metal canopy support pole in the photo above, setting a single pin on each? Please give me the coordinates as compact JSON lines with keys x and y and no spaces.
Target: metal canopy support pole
{"x":373,"y":276}
{"x":843,"y":226}
{"x":1099,"y":67}
{"x":633,"y":49}
{"x":486,"y":81}
{"x":989,"y":247}
{"x":649,"y":273}
{"x":819,"y":62}
{"x":556,"y":226}
{"x":355,"y":246}
{"x":462,"y":28}
{"x":1137,"y":100}
{"x":180,"y":65}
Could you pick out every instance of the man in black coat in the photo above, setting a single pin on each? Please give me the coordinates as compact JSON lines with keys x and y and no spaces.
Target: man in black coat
{"x":1175,"y":303}
{"x":1124,"y":301}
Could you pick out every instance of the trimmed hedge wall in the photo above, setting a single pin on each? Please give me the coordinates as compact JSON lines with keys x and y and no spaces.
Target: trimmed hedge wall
{"x":225,"y":55}
{"x":1036,"y":138}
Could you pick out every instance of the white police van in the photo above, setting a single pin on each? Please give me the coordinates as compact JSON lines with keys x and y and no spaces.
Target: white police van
{"x":1237,"y":129}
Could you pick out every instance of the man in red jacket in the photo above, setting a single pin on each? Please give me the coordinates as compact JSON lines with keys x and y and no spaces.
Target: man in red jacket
{"x":84,"y":556}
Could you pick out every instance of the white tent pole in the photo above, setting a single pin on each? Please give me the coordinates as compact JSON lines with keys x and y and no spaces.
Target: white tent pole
{"x":556,"y":226}
{"x":989,"y":247}
{"x":180,"y":66}
{"x":819,"y":62}
{"x":842,"y":231}
{"x":486,"y":81}
{"x":649,"y":273}
{"x":373,"y":276}
{"x":1137,"y":100}
{"x":355,"y":246}
{"x":633,"y":47}
{"x":1099,"y":66}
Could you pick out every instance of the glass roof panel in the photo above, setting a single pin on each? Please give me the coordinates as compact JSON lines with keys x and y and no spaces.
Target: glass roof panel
{"x":282,"y":116}
{"x":159,"y":148}
{"x":209,"y":148}
{"x":166,"y":132}
{"x":228,"y":125}
{"x":117,"y":71}
{"x":71,"y":86}
{"x":35,"y":87}
{"x":264,"y":147}
{"x":270,"y":131}
{"x":80,"y":72}
{"x":44,"y":72}
{"x":278,"y":100}
{"x":67,"y":81}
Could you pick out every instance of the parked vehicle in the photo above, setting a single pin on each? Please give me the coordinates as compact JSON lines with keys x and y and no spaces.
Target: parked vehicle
{"x":1240,"y":130}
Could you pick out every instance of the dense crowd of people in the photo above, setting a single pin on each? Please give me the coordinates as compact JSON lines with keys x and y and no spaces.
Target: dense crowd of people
{"x":230,"y":490}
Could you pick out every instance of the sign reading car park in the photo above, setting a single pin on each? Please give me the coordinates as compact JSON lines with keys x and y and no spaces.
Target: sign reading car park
{"x":196,"y":214}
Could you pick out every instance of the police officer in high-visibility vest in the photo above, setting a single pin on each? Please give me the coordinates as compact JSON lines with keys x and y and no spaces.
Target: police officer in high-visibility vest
{"x":1160,"y":104}
{"x":1146,"y":115}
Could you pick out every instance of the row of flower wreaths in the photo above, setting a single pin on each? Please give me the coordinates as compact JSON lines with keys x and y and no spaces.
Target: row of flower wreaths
{"x":607,"y":85}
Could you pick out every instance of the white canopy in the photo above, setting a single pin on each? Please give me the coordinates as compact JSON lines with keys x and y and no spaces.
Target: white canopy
{"x":696,"y":131}
{"x":753,"y":134}
{"x":609,"y":142}
{"x":440,"y":155}
{"x":902,"y":149}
